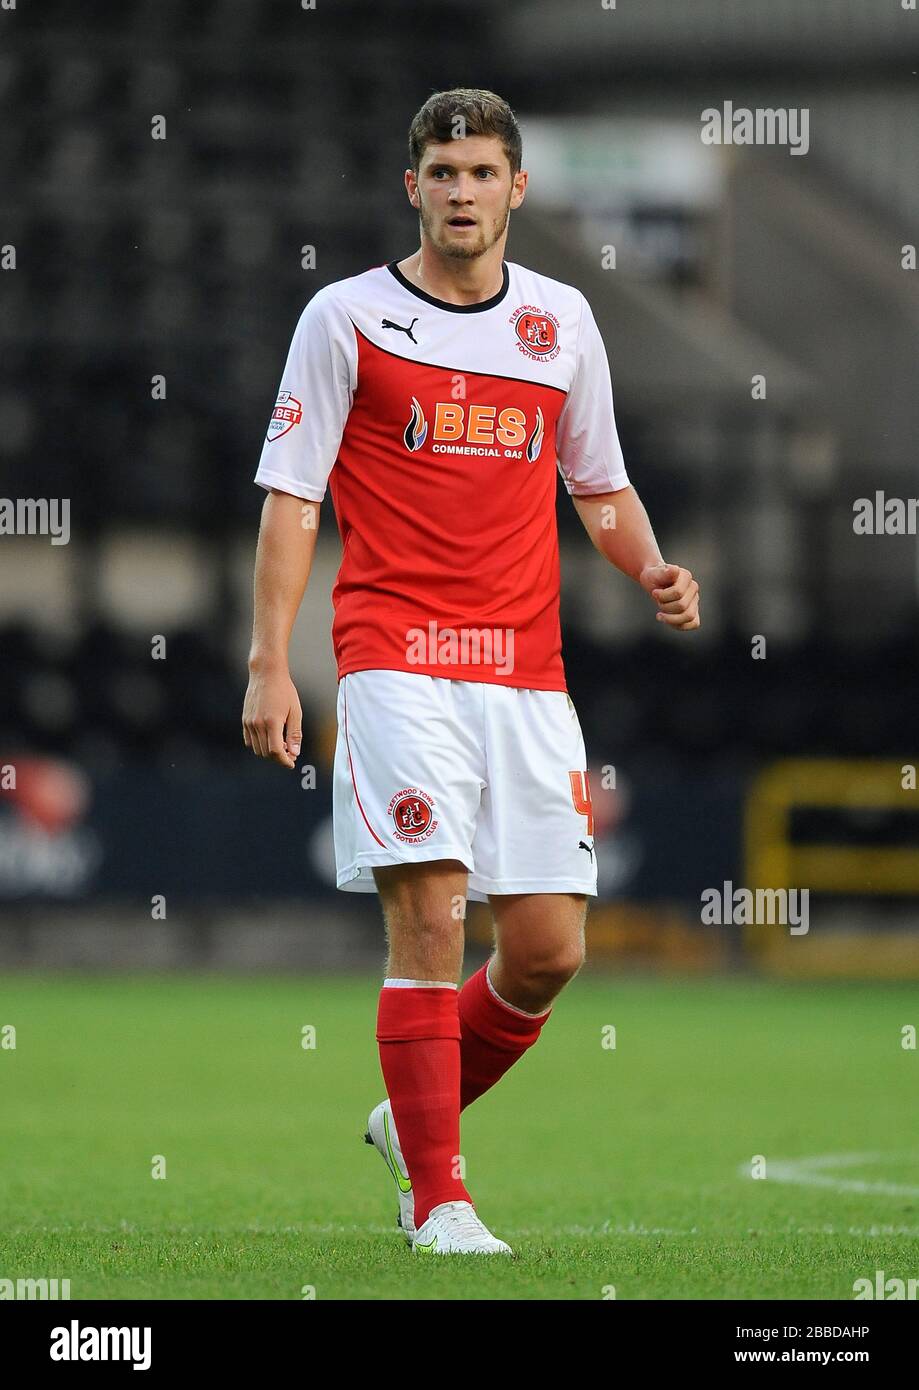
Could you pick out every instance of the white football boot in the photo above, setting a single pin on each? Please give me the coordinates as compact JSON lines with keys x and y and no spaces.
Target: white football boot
{"x":381,"y":1132}
{"x":452,"y":1228}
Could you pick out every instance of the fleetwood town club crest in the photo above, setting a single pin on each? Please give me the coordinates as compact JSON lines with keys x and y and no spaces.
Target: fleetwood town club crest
{"x":287,"y":413}
{"x":537,"y":332}
{"x":412,"y":812}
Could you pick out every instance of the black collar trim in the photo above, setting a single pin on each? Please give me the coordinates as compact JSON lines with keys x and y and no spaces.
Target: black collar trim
{"x":480,"y":308}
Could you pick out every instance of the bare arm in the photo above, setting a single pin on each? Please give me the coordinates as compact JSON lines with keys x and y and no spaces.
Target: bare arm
{"x":272,"y":717}
{"x":618,"y":526}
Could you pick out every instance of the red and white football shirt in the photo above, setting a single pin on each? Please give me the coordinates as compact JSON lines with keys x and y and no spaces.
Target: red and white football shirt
{"x":439,"y":428}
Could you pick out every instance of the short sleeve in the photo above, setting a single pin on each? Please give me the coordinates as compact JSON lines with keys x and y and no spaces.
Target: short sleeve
{"x":587,"y":442}
{"x":314,"y":401}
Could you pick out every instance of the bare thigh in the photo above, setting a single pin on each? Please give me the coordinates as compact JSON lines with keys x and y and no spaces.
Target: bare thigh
{"x":424,"y":909}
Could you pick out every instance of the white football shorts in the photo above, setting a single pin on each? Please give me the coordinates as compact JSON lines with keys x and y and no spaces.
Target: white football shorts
{"x":494,"y":776}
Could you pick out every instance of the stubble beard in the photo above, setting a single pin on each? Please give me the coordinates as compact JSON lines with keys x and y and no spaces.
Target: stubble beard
{"x":462,"y":250}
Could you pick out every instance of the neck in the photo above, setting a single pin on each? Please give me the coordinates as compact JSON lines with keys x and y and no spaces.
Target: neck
{"x":456,"y":280}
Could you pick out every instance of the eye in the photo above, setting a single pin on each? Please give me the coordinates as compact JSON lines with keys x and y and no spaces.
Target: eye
{"x":436,"y":173}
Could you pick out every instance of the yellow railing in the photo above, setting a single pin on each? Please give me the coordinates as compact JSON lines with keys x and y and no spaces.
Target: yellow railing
{"x":773,"y":860}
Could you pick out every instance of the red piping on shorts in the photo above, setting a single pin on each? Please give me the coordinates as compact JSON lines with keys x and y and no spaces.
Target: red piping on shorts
{"x":354,"y":784}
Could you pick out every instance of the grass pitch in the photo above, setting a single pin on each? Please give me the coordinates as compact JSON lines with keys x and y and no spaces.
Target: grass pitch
{"x":625,"y":1168}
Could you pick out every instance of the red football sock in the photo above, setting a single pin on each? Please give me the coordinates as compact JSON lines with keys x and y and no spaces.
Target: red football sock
{"x":493,"y":1035}
{"x":419,"y":1037}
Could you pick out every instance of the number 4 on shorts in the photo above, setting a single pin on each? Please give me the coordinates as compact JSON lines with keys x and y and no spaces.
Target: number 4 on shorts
{"x":580,"y":793}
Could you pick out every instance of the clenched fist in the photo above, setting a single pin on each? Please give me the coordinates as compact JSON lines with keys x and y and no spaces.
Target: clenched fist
{"x":676,"y":594}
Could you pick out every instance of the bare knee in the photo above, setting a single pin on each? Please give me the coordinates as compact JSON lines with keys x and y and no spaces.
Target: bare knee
{"x":533,"y":981}
{"x":549,"y":972}
{"x":540,"y":947}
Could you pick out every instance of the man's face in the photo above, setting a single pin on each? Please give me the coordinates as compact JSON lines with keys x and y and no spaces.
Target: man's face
{"x":464,"y":193}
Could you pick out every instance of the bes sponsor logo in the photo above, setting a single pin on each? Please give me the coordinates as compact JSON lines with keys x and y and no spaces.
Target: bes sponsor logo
{"x":482,"y":430}
{"x":412,"y":812}
{"x":287,"y":412}
{"x":537,"y":333}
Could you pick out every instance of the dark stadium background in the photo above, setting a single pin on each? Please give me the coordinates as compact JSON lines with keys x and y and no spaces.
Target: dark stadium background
{"x":139,"y":831}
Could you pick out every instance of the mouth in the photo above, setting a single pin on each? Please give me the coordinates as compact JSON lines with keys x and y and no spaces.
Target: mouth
{"x":461,"y":222}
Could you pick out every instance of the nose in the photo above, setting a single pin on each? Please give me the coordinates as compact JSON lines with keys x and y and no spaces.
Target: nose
{"x":462,"y":190}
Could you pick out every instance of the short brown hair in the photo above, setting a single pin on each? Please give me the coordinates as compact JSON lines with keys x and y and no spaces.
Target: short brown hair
{"x":483,"y":113}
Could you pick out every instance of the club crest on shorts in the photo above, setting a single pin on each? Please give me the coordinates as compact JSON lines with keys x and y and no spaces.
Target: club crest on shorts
{"x":287,"y":413}
{"x":412,"y":812}
{"x":537,"y":332}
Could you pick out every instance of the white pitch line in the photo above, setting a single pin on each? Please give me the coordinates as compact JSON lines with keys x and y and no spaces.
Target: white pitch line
{"x":806,"y":1172}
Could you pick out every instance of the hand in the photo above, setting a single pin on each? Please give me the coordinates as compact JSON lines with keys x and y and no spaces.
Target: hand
{"x":272,"y":717}
{"x":676,"y":594}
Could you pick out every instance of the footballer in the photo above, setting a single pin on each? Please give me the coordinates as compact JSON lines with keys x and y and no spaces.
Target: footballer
{"x":438,"y":396}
